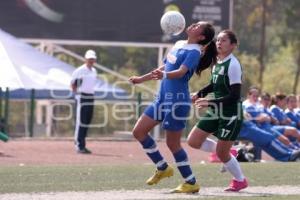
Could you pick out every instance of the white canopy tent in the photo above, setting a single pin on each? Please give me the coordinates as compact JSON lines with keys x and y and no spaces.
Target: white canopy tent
{"x":22,"y":68}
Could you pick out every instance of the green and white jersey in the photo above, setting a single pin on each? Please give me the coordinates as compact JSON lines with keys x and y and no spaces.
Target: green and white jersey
{"x":224,"y":121}
{"x":225,"y":73}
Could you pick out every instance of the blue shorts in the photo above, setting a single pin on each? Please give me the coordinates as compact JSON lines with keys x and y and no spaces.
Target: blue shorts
{"x":274,"y":131}
{"x":256,"y":135}
{"x":172,"y":115}
{"x":279,"y":128}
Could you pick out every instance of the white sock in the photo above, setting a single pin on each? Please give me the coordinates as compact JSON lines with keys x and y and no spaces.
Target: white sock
{"x":234,"y":168}
{"x":209,"y":145}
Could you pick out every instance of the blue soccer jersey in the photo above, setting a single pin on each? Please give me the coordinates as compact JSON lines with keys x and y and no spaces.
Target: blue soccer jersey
{"x":281,"y":115}
{"x":177,"y":90}
{"x":256,"y":110}
{"x":278,"y":113}
{"x":172,"y":104}
{"x":295,"y":117}
{"x":268,"y":112}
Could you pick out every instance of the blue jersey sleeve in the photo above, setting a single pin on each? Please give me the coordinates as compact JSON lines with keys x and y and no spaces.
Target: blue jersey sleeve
{"x":165,"y":60}
{"x":293,"y":117}
{"x":252,"y":111}
{"x":192,"y":60}
{"x":266,"y":111}
{"x":277,"y":114}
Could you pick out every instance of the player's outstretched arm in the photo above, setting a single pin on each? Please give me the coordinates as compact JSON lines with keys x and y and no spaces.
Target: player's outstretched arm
{"x":160,"y":74}
{"x":140,"y":79}
{"x":146,"y":77}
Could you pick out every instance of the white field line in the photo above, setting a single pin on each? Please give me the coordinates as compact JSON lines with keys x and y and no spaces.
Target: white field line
{"x":207,"y":192}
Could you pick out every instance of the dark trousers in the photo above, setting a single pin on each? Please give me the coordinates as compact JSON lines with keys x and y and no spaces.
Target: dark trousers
{"x":84,"y":115}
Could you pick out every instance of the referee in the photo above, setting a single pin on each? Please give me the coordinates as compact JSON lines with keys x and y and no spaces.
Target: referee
{"x":84,"y":79}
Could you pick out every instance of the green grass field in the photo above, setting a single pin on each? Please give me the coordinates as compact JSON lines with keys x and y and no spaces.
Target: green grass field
{"x":29,"y":179}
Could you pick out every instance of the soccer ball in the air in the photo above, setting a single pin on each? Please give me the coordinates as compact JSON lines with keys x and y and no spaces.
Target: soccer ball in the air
{"x":172,"y":23}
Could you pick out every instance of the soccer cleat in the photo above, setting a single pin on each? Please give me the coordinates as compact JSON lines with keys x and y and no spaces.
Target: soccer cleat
{"x":295,"y":156}
{"x":186,"y":188}
{"x":236,"y":186}
{"x":84,"y":151}
{"x":160,"y":174}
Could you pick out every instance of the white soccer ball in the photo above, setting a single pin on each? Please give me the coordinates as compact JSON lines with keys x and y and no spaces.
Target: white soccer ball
{"x":172,"y":23}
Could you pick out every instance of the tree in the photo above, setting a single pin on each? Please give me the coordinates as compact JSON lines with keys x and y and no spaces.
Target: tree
{"x":262,"y":43}
{"x":293,"y":27}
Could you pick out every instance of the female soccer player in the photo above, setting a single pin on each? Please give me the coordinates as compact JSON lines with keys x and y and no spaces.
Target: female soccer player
{"x":262,"y":117}
{"x":172,"y":104}
{"x":288,"y":131}
{"x":224,"y":115}
{"x":291,"y":110}
{"x":284,"y":121}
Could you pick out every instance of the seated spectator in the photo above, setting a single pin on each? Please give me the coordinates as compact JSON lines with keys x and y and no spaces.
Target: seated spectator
{"x":288,"y":131}
{"x":265,"y":102}
{"x":279,"y":104}
{"x":267,"y":142}
{"x":261,"y":118}
{"x":290,"y":111}
{"x":297,"y":110}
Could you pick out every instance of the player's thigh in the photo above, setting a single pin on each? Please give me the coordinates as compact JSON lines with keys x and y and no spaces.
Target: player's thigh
{"x":143,"y":126}
{"x":291,"y":131}
{"x":279,"y":128}
{"x":197,"y":137}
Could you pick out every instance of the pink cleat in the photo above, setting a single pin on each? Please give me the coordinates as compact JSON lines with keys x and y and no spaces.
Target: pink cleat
{"x":236,"y":186}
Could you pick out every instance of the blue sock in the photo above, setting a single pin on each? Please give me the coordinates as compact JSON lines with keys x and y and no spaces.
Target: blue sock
{"x":184,"y":166}
{"x":150,"y":147}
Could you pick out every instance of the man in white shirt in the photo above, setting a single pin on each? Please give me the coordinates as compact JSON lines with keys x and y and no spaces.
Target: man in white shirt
{"x":83,"y":82}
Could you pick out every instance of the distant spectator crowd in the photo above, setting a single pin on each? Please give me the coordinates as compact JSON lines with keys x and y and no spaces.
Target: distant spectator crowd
{"x":272,"y":123}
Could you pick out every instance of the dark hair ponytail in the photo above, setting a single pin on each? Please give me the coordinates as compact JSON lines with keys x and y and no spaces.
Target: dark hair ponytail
{"x":209,"y":56}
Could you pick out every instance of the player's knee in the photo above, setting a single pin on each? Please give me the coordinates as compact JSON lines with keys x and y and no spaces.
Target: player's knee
{"x":223,"y":156}
{"x":137,"y":134}
{"x":194,"y":144}
{"x":173,"y":146}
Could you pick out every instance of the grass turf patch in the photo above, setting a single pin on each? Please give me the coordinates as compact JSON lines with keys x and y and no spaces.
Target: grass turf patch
{"x":24,"y":179}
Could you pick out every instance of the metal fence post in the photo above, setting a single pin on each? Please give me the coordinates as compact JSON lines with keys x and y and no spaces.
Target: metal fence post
{"x":32,"y":108}
{"x":139,"y":101}
{"x":6,"y":109}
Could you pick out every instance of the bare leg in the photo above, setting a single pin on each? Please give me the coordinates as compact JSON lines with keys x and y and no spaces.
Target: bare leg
{"x":143,"y":126}
{"x":198,"y":139}
{"x":292,"y":132}
{"x":284,"y":140}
